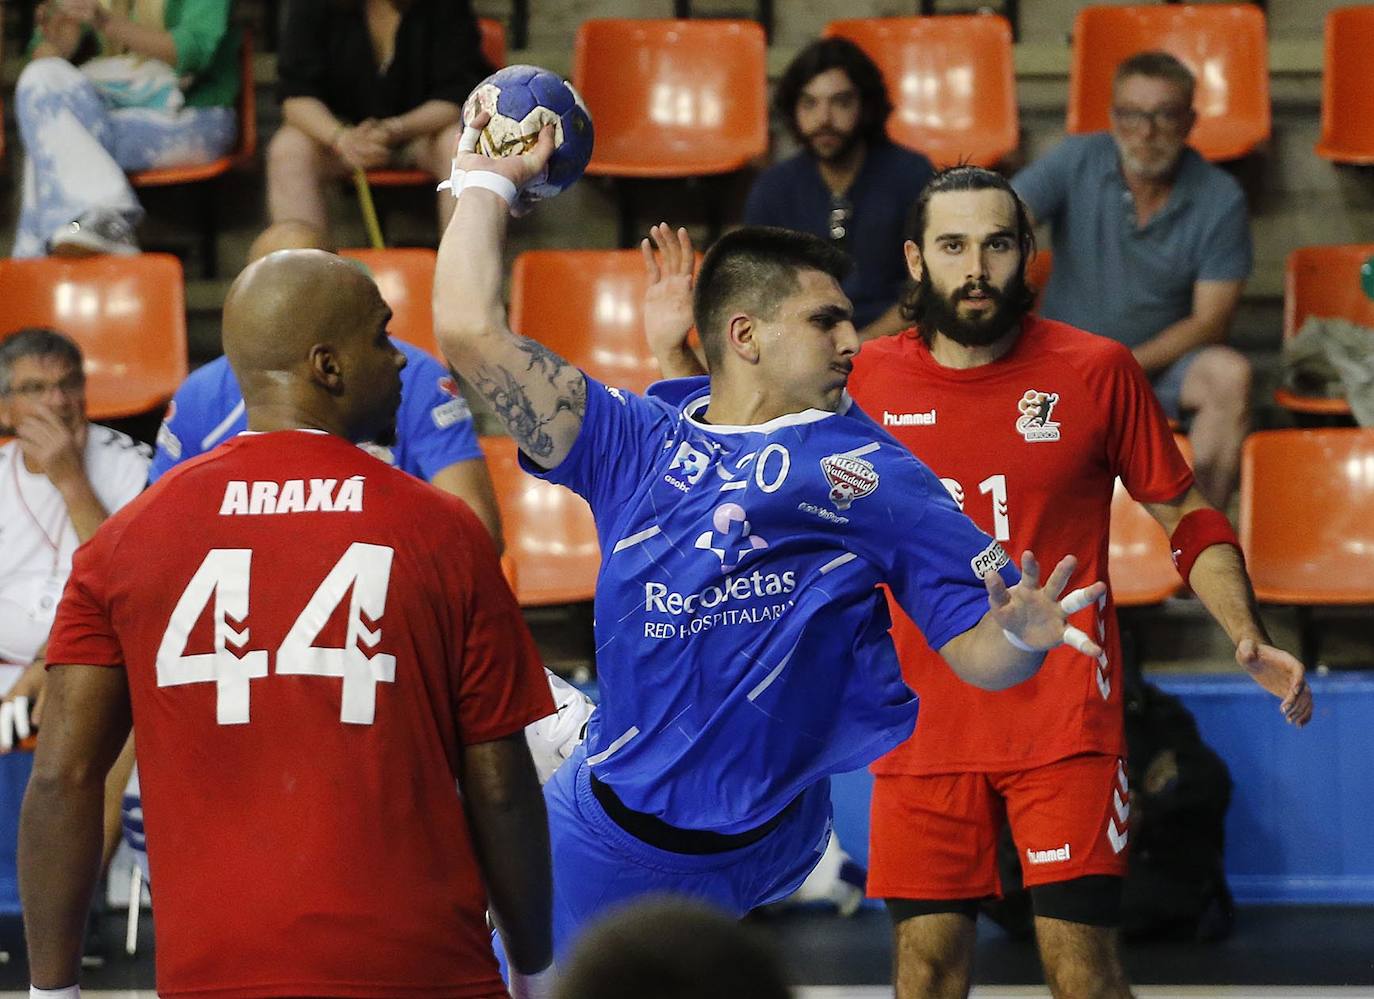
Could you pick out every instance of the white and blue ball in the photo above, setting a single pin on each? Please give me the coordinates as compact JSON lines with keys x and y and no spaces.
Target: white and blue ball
{"x":522,"y":100}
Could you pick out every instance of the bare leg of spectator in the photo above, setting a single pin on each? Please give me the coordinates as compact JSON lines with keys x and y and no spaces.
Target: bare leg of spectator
{"x":1216,"y":390}
{"x":434,"y":154}
{"x":297,"y":167}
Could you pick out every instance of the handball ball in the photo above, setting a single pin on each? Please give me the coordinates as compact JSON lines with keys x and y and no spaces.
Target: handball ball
{"x":521,"y":100}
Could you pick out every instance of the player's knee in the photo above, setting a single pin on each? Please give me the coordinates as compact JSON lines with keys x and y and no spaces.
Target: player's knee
{"x":44,"y":76}
{"x":931,"y":976}
{"x":1102,"y":978}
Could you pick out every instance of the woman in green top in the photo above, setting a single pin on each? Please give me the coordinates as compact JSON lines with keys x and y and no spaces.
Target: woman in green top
{"x":155,"y":87}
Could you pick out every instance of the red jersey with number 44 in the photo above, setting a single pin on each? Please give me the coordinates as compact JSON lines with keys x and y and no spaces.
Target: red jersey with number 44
{"x":1030,"y":447}
{"x":311,"y":638}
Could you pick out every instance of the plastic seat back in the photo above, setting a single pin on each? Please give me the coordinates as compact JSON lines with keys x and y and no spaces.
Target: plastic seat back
{"x":405,"y":277}
{"x":1223,"y":44}
{"x":1347,"y":134}
{"x":128,"y":314}
{"x":951,"y":82}
{"x":586,"y":305}
{"x":493,"y":35}
{"x":673,"y":98}
{"x":1139,"y":562}
{"x":552,"y":552}
{"x":1305,"y":524}
{"x":1325,"y":281}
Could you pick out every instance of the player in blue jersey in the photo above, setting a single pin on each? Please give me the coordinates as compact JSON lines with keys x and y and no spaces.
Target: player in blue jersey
{"x":435,"y":440}
{"x":745,"y":522}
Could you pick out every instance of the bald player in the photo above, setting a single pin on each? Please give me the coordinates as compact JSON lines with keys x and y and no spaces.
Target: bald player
{"x":330,"y":680}
{"x":435,"y":438}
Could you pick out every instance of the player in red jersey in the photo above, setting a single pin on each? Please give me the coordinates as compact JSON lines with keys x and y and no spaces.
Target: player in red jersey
{"x":1029,"y":423}
{"x":320,"y":653}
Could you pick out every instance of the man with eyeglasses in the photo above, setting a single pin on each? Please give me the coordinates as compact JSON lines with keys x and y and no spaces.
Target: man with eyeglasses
{"x":849,"y":184}
{"x":1152,"y":249}
{"x":60,"y":477}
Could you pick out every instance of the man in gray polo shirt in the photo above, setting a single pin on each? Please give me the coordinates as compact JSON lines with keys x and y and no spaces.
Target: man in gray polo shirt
{"x":1152,"y":248}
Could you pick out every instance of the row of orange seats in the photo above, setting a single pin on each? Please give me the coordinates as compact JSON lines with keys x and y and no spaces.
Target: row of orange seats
{"x":1305,"y":494}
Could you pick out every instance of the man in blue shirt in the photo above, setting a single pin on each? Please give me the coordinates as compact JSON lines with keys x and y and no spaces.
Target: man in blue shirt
{"x":849,"y":184}
{"x":1152,"y":248}
{"x":745,"y":521}
{"x":435,"y":438}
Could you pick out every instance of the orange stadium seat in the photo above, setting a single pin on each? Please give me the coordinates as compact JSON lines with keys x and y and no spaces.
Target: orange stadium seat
{"x":240,"y":156}
{"x":673,"y":98}
{"x":1323,"y":281}
{"x":127,"y":313}
{"x":1305,"y":524}
{"x":1347,"y":89}
{"x":951,"y":82}
{"x":493,"y":44}
{"x":406,"y":279}
{"x":550,"y":536}
{"x":586,"y":305}
{"x":1223,"y":44}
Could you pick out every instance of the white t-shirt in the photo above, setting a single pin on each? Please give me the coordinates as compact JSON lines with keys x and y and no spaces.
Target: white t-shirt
{"x":37,"y":537}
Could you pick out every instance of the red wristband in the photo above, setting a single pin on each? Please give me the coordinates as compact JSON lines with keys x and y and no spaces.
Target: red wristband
{"x":1197,"y":532}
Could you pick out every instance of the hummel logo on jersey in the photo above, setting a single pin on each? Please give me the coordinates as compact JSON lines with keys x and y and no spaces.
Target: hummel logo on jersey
{"x":730,"y":540}
{"x":293,"y":496}
{"x":1055,"y":856}
{"x":1034,"y":423}
{"x":909,"y":419}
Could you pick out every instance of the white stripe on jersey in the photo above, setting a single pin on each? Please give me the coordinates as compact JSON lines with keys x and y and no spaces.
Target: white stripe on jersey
{"x":216,"y":435}
{"x":635,"y":539}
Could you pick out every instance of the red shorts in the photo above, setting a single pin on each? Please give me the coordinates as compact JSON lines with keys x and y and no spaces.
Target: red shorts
{"x":935,"y":837}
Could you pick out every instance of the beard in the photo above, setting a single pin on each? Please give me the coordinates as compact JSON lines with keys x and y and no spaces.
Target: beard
{"x":941,"y":312}
{"x":846,"y":146}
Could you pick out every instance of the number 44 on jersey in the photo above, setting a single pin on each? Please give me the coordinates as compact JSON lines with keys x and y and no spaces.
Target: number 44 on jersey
{"x":222,"y":582}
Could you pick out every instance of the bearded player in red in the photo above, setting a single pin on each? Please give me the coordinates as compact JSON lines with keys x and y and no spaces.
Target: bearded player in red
{"x":330,"y":680}
{"x":1029,"y":423}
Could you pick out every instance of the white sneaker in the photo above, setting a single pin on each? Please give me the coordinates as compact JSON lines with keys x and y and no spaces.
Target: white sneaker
{"x":98,"y":231}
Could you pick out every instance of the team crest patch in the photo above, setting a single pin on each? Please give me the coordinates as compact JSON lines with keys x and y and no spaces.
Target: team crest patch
{"x":850,"y":478}
{"x":1036,"y":409}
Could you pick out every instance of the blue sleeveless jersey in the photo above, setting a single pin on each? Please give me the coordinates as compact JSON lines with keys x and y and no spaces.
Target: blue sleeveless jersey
{"x":742,"y":644}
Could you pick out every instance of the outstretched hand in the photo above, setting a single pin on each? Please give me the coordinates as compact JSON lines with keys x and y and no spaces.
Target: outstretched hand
{"x":1282,"y":675}
{"x":668,"y":293}
{"x":1036,"y":615}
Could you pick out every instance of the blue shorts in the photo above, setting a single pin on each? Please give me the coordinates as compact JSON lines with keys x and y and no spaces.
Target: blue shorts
{"x":598,"y":866}
{"x":1168,"y":383}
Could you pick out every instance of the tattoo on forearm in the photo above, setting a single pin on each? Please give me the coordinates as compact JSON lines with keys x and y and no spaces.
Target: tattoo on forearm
{"x":524,"y":418}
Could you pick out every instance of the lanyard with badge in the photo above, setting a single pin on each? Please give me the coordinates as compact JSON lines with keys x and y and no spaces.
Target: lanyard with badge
{"x":45,"y":592}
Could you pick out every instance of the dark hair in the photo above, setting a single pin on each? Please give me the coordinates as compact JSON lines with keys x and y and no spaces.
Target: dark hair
{"x":35,"y":341}
{"x":755,"y":268}
{"x":671,"y":949}
{"x":836,"y":53}
{"x":967,"y":178}
{"x":1157,"y":66}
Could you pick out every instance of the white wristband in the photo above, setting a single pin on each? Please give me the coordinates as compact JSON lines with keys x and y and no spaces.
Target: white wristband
{"x":70,"y":992}
{"x":1016,"y":643}
{"x":460,"y":180}
{"x":540,"y":985}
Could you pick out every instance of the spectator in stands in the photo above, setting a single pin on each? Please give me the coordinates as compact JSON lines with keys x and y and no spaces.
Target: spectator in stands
{"x":60,"y":477}
{"x":671,"y":948}
{"x":435,"y":439}
{"x":367,"y":84}
{"x":160,"y":93}
{"x":849,"y":184}
{"x":1152,"y":248}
